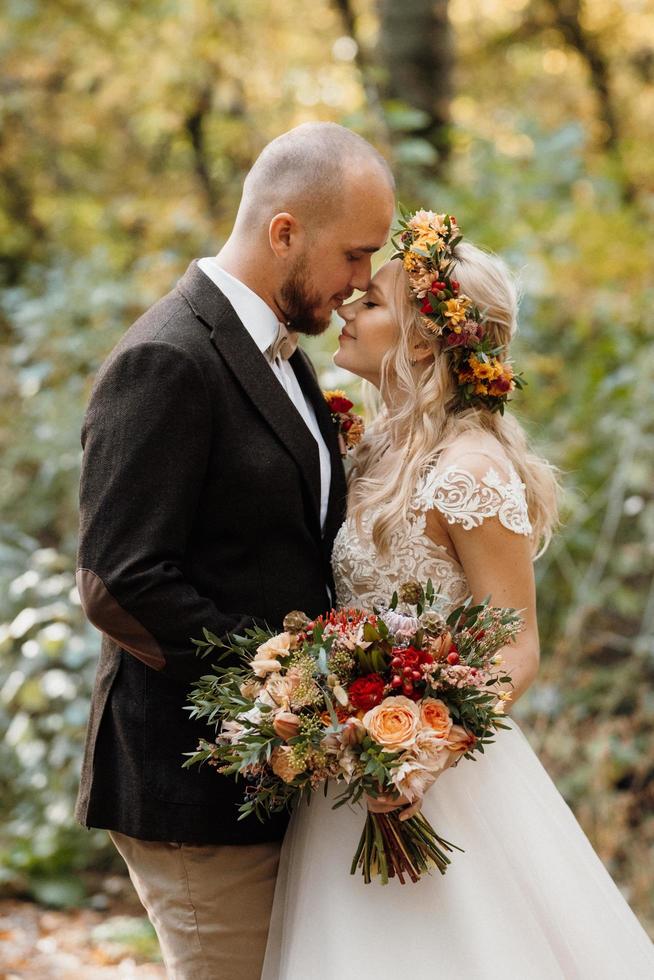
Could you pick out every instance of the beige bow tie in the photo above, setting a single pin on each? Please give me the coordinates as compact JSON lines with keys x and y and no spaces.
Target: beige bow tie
{"x":284,"y":343}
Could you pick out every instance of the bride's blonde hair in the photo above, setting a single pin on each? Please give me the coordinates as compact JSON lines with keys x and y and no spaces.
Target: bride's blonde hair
{"x":423,"y":417}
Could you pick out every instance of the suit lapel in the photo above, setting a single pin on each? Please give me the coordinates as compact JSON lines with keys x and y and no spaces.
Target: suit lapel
{"x":249,"y":366}
{"x":337,"y":488}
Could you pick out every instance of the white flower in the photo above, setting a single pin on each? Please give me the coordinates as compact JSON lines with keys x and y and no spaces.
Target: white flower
{"x":262,"y":667}
{"x":399,"y":624}
{"x":265,"y":659}
{"x":353,"y":733}
{"x":347,"y":762}
{"x":231,"y":731}
{"x":254,"y":715}
{"x":265,"y":697}
{"x":413,"y":780}
{"x":250,"y":688}
{"x":431,"y":751}
{"x":340,"y":694}
{"x":276,"y":646}
{"x":281,"y":688}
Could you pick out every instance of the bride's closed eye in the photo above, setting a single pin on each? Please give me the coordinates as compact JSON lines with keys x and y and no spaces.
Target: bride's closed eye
{"x":369,"y":304}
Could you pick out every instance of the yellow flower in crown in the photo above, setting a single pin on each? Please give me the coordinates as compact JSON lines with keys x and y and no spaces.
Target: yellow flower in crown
{"x":413,"y":263}
{"x":456,"y":310}
{"x":482,"y":369}
{"x":427,"y":238}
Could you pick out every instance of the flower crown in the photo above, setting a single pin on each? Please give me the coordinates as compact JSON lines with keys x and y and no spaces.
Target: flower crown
{"x":425,"y":242}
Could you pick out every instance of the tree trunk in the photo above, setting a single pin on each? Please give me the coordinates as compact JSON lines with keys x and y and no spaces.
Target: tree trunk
{"x":416,"y":51}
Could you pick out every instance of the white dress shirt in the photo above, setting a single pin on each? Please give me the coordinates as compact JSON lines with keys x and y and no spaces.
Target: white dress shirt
{"x":262,"y":325}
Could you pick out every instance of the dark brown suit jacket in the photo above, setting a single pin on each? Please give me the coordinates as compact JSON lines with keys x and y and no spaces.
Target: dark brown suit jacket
{"x":199,"y":506}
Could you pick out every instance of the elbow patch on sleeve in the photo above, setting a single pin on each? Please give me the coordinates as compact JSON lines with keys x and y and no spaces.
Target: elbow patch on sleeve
{"x":110,"y":618}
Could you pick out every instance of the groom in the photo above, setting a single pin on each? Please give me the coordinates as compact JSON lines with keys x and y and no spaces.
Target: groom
{"x":211,"y":491}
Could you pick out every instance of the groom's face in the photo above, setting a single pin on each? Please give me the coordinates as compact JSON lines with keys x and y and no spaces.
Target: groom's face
{"x":336,"y":259}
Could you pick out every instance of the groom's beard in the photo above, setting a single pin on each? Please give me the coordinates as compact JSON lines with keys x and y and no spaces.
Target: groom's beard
{"x":301,"y":304}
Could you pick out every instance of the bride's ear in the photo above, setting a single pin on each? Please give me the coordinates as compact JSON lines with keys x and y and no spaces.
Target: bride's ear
{"x":420,"y":351}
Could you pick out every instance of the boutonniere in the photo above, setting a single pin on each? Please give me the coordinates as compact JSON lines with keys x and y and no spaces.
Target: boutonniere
{"x":350,"y":426}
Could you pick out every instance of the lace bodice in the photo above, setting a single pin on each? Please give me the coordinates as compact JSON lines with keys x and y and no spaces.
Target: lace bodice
{"x":364,"y":579}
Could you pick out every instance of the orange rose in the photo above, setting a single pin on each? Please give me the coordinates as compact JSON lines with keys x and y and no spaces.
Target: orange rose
{"x":460,"y":740}
{"x":436,"y":716}
{"x":394,"y":723}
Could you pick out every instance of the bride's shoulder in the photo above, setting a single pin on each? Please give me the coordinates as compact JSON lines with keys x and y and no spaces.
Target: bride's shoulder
{"x":472,"y":481}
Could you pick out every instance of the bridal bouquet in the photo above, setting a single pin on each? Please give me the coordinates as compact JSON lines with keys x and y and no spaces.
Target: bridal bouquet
{"x":379,"y":702}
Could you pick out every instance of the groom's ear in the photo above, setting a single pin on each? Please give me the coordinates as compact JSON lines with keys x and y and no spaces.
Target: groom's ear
{"x":285,"y":234}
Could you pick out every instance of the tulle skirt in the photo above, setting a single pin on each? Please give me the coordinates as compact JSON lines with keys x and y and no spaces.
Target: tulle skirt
{"x":528,"y":900}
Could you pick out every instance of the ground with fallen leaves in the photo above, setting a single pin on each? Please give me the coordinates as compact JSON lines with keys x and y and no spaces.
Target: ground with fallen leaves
{"x":114,"y":940}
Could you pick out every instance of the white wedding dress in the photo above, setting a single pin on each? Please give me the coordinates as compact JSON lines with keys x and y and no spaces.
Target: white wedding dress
{"x":528,"y":900}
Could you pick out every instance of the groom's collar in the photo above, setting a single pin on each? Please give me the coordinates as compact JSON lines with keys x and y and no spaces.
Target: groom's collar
{"x":253,"y":311}
{"x":205,"y":299}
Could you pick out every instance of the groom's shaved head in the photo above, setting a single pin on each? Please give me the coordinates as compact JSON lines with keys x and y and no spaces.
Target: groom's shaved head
{"x":306,"y":172}
{"x":316,"y":205}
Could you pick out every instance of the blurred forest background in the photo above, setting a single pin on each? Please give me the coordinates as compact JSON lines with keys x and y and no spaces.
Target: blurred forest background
{"x":126,"y":131}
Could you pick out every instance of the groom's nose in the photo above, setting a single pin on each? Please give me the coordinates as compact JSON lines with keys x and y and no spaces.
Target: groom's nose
{"x":360,"y":278}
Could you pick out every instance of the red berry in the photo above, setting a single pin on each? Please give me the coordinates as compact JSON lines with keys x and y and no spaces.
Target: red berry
{"x":408,"y":689}
{"x":396,"y":662}
{"x":416,"y":675}
{"x":407,"y":672}
{"x":453,"y":658}
{"x":396,"y":681}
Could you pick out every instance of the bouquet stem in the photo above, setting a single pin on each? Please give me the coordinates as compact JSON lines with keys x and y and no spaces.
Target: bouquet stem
{"x":391,"y":847}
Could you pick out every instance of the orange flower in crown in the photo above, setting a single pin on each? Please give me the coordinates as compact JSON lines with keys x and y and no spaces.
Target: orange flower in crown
{"x":425,"y":241}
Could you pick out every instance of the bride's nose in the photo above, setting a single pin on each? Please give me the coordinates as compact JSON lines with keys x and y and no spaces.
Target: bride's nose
{"x":347,"y":311}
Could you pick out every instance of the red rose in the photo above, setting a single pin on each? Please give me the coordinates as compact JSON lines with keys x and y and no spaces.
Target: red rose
{"x":412,"y":656}
{"x":339,"y":404}
{"x":366,"y":692}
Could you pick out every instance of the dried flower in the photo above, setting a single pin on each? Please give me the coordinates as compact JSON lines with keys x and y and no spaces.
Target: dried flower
{"x":410,"y":592}
{"x":296,"y":621}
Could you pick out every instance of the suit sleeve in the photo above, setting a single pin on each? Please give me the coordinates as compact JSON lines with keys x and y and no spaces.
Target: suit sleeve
{"x":146,"y":440}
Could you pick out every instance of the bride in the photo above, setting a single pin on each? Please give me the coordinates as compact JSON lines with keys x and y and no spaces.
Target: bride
{"x":443,"y":486}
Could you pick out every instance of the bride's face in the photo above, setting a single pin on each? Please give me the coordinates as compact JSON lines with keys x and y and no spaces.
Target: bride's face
{"x":370,"y":329}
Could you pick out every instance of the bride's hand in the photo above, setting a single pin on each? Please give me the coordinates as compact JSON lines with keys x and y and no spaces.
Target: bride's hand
{"x":385,"y":804}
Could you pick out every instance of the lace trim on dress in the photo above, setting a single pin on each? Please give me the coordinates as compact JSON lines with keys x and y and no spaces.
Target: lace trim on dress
{"x":363,"y":579}
{"x":463,"y":499}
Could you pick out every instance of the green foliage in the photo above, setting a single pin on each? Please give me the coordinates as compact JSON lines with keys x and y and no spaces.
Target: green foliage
{"x":48,"y":654}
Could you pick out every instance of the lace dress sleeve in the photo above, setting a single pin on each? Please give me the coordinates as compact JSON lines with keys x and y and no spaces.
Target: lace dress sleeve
{"x":470,"y":494}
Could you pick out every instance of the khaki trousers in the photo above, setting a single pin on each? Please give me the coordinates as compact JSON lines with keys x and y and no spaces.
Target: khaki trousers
{"x":209,"y":904}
